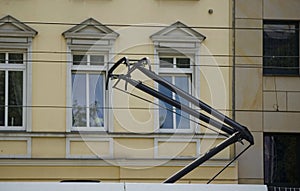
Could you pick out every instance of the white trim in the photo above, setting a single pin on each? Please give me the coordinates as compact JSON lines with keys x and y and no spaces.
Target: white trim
{"x":28,"y":149}
{"x":87,"y":95}
{"x":189,"y":51}
{"x":87,"y":139}
{"x":174,"y":71}
{"x":69,"y":91}
{"x":7,"y":67}
{"x":120,"y":162}
{"x":157,"y":140}
{"x":29,"y":89}
{"x":108,"y":120}
{"x":109,"y":95}
{"x":101,"y":135}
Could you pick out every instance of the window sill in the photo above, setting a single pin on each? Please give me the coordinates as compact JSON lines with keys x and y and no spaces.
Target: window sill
{"x":88,"y":129}
{"x":9,"y":129}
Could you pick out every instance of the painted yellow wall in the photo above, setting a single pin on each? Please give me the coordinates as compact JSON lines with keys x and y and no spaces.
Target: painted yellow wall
{"x":130,"y":128}
{"x":13,"y":147}
{"x":48,"y":147}
{"x":112,"y":174}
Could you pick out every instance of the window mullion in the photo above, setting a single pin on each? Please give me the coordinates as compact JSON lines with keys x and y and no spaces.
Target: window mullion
{"x":174,"y":108}
{"x":88,"y":60}
{"x":87,"y":101}
{"x":6,"y":100}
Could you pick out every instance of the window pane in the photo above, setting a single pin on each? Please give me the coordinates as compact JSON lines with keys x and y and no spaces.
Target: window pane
{"x":165,"y":112}
{"x":2,"y":58}
{"x":79,"y":100}
{"x":166,"y":62}
{"x":79,"y":60}
{"x":2,"y":98}
{"x":15,"y":58}
{"x":15,"y":98}
{"x":182,"y":118}
{"x":96,"y":99}
{"x":281,"y":48}
{"x":282,"y":160}
{"x":96,"y":60}
{"x":182,"y":62}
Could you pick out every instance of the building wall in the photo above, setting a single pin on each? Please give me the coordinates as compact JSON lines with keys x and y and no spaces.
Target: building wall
{"x":256,"y":94}
{"x":131,"y":151}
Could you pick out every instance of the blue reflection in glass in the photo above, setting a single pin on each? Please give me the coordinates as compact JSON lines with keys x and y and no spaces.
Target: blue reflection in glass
{"x":165,"y":112}
{"x":182,"y":118}
{"x":79,"y":100}
{"x":96,"y":98}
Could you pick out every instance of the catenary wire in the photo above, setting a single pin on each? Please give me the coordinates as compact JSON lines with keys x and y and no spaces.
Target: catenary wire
{"x":244,"y":66}
{"x":145,"y":108}
{"x":139,"y":97}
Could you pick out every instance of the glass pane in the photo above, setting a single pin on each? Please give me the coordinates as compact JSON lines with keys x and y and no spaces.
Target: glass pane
{"x":79,"y":60}
{"x":166,"y":111}
{"x":15,"y":58}
{"x":96,"y":60}
{"x":96,"y":99}
{"x":166,"y":62}
{"x":79,"y":100}
{"x":15,"y":98}
{"x":2,"y":58}
{"x":182,"y":118}
{"x":281,"y":48}
{"x":282,"y":160}
{"x":2,"y":98}
{"x":182,"y":62}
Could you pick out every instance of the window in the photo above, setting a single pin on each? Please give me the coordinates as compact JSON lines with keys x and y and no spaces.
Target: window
{"x":88,"y":94}
{"x":12,"y":86}
{"x":176,"y":47}
{"x":15,"y":74}
{"x":281,"y":48}
{"x":282,"y":159}
{"x":91,"y":44}
{"x":176,"y":70}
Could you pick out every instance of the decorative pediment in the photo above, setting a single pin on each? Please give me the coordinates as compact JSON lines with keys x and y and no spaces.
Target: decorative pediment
{"x":178,"y":32}
{"x":11,"y":27}
{"x":90,"y":28}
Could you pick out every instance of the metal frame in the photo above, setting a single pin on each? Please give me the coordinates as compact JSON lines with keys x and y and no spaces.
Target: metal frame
{"x":235,"y":131}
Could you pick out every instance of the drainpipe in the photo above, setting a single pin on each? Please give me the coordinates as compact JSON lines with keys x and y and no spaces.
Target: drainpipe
{"x":233,"y":59}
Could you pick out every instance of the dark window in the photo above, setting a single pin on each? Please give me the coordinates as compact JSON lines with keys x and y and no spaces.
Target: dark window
{"x":2,"y":58}
{"x":182,"y":62}
{"x":166,"y":62}
{"x":15,"y":58}
{"x":96,"y":60}
{"x":282,"y":160}
{"x":281,"y":48}
{"x":79,"y":59}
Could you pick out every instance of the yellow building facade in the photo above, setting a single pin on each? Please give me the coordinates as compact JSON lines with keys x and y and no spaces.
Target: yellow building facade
{"x":58,"y":121}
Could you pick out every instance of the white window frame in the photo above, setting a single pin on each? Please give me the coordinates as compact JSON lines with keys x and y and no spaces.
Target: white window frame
{"x":18,"y":38}
{"x":87,"y":70}
{"x":178,"y":39}
{"x":173,"y":73}
{"x":7,"y":67}
{"x":82,"y":39}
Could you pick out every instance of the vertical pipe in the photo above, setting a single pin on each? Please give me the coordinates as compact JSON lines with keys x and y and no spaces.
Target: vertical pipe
{"x":233,"y":60}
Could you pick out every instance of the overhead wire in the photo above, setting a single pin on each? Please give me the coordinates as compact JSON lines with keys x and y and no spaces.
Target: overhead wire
{"x":194,"y":121}
{"x":224,"y":65}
